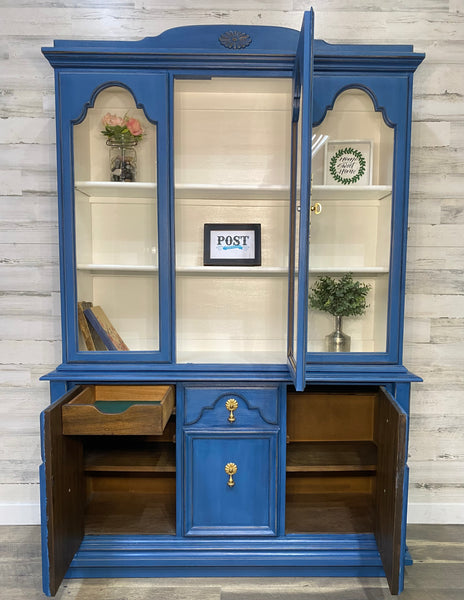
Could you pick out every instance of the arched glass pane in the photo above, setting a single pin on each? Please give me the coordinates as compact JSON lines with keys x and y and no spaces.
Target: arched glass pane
{"x":116,"y":226}
{"x":352,"y":182}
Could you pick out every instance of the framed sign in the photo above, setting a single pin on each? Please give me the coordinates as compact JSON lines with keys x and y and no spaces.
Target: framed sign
{"x":232,"y":245}
{"x":348,"y":163}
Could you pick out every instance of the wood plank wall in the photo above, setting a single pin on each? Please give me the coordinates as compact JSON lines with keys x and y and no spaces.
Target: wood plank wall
{"x":29,"y":302}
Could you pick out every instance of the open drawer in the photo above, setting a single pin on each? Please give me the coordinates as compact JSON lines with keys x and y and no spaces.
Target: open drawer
{"x":118,"y":410}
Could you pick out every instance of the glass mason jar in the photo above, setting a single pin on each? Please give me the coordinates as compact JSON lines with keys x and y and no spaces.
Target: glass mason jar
{"x":123,"y":160}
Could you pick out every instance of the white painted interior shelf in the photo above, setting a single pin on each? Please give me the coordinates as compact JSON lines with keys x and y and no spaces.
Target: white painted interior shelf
{"x":252,"y":271}
{"x":117,"y":268}
{"x":116,"y":189}
{"x":108,"y":189}
{"x":342,"y":192}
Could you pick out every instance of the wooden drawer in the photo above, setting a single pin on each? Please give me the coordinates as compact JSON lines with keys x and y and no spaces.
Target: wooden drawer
{"x":234,"y":407}
{"x":118,"y":410}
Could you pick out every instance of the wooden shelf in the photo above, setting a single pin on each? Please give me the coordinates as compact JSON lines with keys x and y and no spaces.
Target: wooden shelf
{"x":318,"y":457}
{"x":130,"y":513}
{"x":329,"y":513}
{"x":159,"y":458}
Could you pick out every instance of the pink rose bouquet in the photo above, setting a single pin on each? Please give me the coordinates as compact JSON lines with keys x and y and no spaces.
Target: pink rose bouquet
{"x":122,"y":129}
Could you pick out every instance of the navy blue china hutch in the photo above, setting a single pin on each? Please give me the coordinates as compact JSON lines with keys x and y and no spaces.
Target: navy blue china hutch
{"x":208,"y":178}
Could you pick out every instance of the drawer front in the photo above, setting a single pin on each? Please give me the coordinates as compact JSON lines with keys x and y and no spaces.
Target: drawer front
{"x":118,"y":410}
{"x":234,"y":407}
{"x":231,"y":484}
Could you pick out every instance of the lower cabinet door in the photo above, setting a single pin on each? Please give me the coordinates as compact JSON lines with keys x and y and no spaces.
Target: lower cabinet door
{"x":230,"y":484}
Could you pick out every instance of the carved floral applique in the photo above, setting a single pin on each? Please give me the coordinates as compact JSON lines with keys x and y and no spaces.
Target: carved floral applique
{"x":235,"y":40}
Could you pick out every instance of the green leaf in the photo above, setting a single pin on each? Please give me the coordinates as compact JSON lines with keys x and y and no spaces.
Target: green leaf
{"x":342,"y":297}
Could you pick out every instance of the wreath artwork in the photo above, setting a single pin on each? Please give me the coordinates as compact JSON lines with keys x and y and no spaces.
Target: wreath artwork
{"x":347,"y":166}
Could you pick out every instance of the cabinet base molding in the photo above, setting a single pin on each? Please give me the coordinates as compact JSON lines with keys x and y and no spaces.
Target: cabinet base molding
{"x":150,"y":556}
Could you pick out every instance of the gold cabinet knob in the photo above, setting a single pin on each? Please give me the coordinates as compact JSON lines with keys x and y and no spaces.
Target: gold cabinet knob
{"x":231,"y":405}
{"x":231,"y":469}
{"x":316,"y":208}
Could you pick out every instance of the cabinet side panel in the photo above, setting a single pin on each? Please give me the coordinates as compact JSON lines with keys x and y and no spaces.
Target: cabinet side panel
{"x":390,"y":436}
{"x":63,"y":481}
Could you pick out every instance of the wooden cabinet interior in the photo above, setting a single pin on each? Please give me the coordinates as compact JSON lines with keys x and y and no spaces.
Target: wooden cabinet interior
{"x":130,"y":484}
{"x":332,"y":460}
{"x":103,"y":474}
{"x":345,"y":468}
{"x":335,"y":440}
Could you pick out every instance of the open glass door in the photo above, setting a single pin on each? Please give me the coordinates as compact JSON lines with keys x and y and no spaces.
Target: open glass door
{"x":300,"y":191}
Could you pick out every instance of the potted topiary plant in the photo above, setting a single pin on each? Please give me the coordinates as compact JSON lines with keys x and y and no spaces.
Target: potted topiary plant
{"x":342,"y":297}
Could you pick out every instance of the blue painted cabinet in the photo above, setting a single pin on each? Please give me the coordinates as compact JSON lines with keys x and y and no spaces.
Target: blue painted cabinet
{"x":209,"y":412}
{"x":231,"y":460}
{"x":224,"y":498}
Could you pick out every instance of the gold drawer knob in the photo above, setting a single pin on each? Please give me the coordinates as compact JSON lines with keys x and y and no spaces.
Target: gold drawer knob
{"x":231,"y":405}
{"x":316,"y":208}
{"x":231,"y":469}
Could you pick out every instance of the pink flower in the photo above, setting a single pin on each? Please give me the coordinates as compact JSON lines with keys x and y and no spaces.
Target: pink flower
{"x":133,"y":125}
{"x":112,"y":120}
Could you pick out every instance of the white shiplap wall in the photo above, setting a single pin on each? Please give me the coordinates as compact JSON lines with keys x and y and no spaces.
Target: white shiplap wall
{"x":29,"y":302}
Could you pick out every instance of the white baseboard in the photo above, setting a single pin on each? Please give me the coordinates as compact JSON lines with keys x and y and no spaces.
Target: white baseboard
{"x":19,"y":504}
{"x":439,"y":513}
{"x":19,"y":514}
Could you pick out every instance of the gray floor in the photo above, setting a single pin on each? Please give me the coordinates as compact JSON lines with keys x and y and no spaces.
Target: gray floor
{"x":437,"y":574}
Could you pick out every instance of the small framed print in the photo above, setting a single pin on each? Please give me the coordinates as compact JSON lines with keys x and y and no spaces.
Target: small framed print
{"x":232,"y":245}
{"x":348,"y":162}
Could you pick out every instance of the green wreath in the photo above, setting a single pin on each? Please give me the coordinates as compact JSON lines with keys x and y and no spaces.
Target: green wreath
{"x":347,"y":180}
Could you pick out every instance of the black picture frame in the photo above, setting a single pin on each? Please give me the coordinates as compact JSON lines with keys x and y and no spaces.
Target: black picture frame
{"x":241,"y":246}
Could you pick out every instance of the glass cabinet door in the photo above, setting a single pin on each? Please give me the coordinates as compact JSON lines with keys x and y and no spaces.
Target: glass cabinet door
{"x":350,"y":261}
{"x":300,"y":193}
{"x":231,"y":165}
{"x":118,"y":218}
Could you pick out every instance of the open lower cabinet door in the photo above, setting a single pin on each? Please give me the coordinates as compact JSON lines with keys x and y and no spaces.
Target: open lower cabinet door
{"x":390,"y":434}
{"x":64,"y":499}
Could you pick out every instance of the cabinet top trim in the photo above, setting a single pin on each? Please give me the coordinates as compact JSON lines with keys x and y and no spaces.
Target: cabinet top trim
{"x":221,"y":46}
{"x":145,"y":373}
{"x":195,"y":38}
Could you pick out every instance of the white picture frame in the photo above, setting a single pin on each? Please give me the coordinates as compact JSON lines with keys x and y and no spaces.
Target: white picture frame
{"x":348,"y":163}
